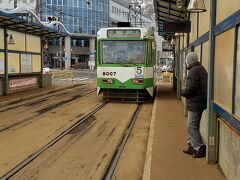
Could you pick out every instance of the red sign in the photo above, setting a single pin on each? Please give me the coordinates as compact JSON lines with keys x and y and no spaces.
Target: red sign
{"x":22,"y":83}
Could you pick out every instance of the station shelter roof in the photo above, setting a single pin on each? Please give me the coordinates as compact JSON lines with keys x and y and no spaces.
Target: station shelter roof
{"x":167,"y":10}
{"x":16,"y":23}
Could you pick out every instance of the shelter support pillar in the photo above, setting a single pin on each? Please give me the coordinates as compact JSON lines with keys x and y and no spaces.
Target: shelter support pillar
{"x":91,"y":62}
{"x":5,"y":79}
{"x":178,"y":58}
{"x":212,"y":143}
{"x":67,"y":52}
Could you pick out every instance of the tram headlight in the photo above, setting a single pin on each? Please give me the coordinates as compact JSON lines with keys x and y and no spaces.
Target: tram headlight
{"x":138,"y":81}
{"x":107,"y":81}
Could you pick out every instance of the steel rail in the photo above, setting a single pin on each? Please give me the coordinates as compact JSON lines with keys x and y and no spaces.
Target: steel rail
{"x":25,"y":162}
{"x":109,"y":173}
{"x":21,"y":102}
{"x":30,"y":119}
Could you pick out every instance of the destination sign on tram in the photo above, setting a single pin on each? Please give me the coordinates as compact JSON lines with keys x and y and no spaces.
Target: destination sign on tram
{"x":134,"y":33}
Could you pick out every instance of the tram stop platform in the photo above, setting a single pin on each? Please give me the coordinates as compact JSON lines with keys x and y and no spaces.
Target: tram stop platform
{"x":167,"y":138}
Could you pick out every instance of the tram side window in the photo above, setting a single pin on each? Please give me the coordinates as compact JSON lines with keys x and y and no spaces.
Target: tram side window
{"x":237,"y":83}
{"x":149,"y":54}
{"x":153,"y":52}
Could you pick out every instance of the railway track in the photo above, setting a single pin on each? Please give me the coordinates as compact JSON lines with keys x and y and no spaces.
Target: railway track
{"x":25,"y":162}
{"x":109,"y":134}
{"x":40,"y":111}
{"x":39,"y":99}
{"x":110,"y":170}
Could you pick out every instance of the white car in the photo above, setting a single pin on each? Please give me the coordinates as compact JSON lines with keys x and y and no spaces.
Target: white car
{"x":46,"y":70}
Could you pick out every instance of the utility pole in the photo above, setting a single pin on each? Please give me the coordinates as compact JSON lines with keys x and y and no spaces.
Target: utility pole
{"x":15,"y":4}
{"x":60,"y":18}
{"x":5,"y":78}
{"x":60,"y":15}
{"x":135,"y":14}
{"x":38,"y":6}
{"x":60,"y":53}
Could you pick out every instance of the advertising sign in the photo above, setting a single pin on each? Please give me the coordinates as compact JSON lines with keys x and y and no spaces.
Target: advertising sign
{"x":65,"y":58}
{"x":177,"y":26}
{"x":26,"y":63}
{"x":92,"y":53}
{"x":135,"y":33}
{"x":22,"y":83}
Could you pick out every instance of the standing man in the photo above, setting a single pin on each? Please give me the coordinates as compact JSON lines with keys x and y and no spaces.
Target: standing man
{"x":196,"y":100}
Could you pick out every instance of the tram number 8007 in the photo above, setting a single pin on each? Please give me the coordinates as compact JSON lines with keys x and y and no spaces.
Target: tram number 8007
{"x":109,"y":73}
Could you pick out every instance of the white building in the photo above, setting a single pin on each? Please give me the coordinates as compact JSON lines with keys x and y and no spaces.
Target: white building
{"x":11,"y":4}
{"x":119,"y":12}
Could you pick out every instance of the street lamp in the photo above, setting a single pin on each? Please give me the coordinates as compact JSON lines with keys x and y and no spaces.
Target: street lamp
{"x":45,"y":45}
{"x":196,"y":6}
{"x":11,"y":40}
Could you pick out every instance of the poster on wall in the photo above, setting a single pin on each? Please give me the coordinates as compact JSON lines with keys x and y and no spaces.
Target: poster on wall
{"x":22,"y":83}
{"x":1,"y":66}
{"x":26,"y":63}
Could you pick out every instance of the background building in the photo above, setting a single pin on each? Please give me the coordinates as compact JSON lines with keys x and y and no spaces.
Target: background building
{"x":82,"y":18}
{"x":11,"y":4}
{"x":79,"y":16}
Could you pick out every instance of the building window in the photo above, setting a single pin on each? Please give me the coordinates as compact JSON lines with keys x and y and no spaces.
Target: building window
{"x":237,"y":82}
{"x":60,"y":2}
{"x":75,"y":3}
{"x":89,"y":4}
{"x":75,"y":21}
{"x":74,"y":42}
{"x":80,"y":30}
{"x":100,"y":6}
{"x":49,"y":2}
{"x":114,"y":10}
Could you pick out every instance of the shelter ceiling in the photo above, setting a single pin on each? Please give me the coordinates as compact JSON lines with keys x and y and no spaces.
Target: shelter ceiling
{"x":167,"y":10}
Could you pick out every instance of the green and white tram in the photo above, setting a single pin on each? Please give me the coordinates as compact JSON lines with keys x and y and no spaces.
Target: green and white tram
{"x":125,"y":63}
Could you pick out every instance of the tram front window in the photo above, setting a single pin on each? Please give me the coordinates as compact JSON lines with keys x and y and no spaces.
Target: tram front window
{"x":123,"y":52}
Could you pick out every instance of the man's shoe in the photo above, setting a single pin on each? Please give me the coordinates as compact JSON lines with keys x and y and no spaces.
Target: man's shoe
{"x":189,"y":150}
{"x":200,"y":153}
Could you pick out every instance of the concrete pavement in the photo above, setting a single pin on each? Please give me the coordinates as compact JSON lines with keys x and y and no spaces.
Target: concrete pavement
{"x":166,"y":161}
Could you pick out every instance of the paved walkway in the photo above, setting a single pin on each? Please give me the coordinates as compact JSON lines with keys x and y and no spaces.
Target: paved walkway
{"x":169,"y":139}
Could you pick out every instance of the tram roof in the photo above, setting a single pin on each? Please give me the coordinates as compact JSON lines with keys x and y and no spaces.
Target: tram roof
{"x":103,"y":32}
